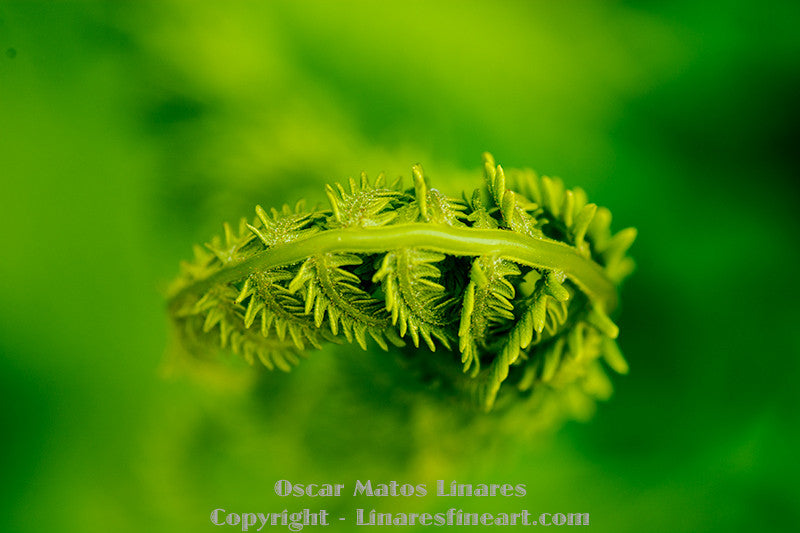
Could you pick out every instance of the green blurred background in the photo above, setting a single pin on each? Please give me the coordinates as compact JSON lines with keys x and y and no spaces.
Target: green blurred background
{"x":130,"y":131}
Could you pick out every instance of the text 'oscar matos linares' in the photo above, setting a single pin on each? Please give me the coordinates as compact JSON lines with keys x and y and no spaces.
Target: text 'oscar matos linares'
{"x":393,"y":488}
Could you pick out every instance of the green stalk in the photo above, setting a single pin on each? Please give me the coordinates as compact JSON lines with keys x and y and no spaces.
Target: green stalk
{"x":541,"y":253}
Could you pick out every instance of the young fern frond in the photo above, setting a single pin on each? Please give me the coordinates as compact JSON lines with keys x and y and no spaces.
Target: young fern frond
{"x":410,"y":282}
{"x":521,"y":277}
{"x":332,"y":295}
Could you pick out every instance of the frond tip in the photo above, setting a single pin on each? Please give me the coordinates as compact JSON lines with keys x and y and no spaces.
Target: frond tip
{"x":515,"y":285}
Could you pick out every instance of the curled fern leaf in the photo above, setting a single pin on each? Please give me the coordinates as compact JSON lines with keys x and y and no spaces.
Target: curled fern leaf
{"x":410,"y":281}
{"x":513,"y":288}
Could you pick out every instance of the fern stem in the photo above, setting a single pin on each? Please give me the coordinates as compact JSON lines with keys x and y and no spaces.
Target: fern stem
{"x":460,"y":241}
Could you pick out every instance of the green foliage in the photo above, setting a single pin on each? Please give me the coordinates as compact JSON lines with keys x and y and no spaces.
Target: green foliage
{"x":521,"y":278}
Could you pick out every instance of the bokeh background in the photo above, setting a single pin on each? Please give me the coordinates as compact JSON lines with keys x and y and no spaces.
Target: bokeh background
{"x":130,"y":131}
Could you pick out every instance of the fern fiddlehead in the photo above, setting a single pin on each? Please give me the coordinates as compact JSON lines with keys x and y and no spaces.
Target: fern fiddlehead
{"x":516,"y":283}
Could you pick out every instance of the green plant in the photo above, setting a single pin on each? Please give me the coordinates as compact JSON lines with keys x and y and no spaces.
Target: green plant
{"x":515,"y":282}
